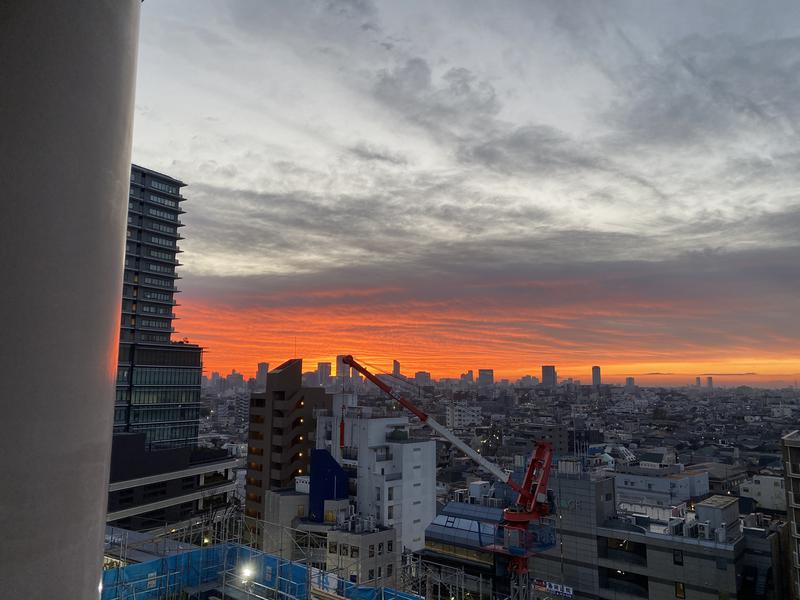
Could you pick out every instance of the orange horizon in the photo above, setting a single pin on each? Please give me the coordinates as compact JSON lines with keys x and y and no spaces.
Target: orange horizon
{"x":447,"y":341}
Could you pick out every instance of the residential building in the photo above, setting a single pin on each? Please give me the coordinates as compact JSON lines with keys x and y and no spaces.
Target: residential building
{"x":281,"y":433}
{"x":596,"y":380}
{"x":396,"y":368}
{"x":768,"y":491}
{"x":158,"y":380}
{"x":462,"y":414}
{"x":261,"y":376}
{"x":790,"y":447}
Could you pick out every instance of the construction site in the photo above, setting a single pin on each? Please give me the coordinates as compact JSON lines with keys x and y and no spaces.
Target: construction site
{"x":213,"y":559}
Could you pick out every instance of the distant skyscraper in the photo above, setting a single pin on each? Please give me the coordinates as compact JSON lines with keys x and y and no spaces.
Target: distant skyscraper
{"x":630,"y":384}
{"x":467,"y":377}
{"x":342,"y":370}
{"x":596,"y":376}
{"x":324,"y":373}
{"x":549,"y":376}
{"x":485,"y":377}
{"x":261,"y":376}
{"x":422,"y":378}
{"x":697,"y":381}
{"x":709,"y":382}
{"x":396,"y":368}
{"x":158,"y":380}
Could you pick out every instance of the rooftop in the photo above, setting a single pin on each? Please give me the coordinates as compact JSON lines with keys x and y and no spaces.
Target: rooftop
{"x":157,"y":174}
{"x":718,"y":501}
{"x":792,"y":438}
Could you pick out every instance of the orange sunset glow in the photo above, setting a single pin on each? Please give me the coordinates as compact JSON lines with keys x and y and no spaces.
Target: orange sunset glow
{"x":447,"y":341}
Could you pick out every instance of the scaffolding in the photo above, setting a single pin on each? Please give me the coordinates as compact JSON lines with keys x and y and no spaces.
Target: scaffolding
{"x":225,"y":553}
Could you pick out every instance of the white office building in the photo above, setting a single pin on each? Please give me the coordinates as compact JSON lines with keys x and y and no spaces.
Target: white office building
{"x":395,"y":475}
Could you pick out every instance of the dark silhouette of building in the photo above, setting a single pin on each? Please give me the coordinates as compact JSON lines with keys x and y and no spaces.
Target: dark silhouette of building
{"x":158,"y":380}
{"x":281,"y":431}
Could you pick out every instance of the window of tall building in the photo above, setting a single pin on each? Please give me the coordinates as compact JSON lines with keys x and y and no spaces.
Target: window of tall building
{"x":680,"y":589}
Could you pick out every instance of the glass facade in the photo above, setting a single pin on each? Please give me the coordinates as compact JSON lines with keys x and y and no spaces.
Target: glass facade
{"x":158,"y":380}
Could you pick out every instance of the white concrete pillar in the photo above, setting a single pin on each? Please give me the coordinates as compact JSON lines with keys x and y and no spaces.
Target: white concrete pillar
{"x":67,"y":75}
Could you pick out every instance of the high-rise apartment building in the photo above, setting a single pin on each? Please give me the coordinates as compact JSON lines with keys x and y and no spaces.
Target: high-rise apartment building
{"x":261,"y":376}
{"x":281,"y":430}
{"x":709,"y":382}
{"x":549,"y":376}
{"x":596,"y":380}
{"x":396,"y":368}
{"x":790,"y":446}
{"x":158,"y":380}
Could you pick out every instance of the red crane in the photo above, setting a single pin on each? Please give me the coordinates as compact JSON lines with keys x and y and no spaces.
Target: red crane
{"x":531,"y":504}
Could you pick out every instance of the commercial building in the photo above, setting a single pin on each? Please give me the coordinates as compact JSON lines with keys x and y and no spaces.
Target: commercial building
{"x":149,"y":490}
{"x":485,"y":378}
{"x":158,"y":476}
{"x":324,"y":373}
{"x":343,"y":372}
{"x":422,"y":378}
{"x":549,"y":376}
{"x":664,"y":486}
{"x":596,"y":380}
{"x":280,"y":436}
{"x":602,"y":552}
{"x":158,"y":380}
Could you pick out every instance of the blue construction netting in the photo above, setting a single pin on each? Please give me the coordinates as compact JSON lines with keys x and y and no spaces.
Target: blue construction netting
{"x":203,"y":569}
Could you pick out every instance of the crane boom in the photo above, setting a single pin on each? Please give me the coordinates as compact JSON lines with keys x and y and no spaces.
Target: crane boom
{"x":487,"y":465}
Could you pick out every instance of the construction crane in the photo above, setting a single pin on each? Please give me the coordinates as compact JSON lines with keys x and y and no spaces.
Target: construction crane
{"x":531,"y":505}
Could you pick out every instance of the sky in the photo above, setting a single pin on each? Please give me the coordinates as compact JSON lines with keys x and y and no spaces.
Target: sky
{"x":463,"y":185}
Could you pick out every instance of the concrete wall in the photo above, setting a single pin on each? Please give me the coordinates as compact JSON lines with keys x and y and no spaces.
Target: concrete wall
{"x":68,"y":74}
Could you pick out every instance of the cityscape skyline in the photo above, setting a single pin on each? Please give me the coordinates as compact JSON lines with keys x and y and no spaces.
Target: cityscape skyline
{"x":377,"y":179}
{"x":584,"y":376}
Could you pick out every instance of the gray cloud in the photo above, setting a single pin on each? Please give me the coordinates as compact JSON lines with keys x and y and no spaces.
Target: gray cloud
{"x":548,"y":155}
